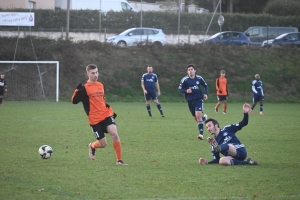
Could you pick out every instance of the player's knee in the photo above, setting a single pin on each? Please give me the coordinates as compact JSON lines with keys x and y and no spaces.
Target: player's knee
{"x":114,"y":136}
{"x":102,"y":143}
{"x":224,"y":161}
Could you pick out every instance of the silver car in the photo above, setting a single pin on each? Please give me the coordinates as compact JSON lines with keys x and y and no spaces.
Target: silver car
{"x":139,"y":36}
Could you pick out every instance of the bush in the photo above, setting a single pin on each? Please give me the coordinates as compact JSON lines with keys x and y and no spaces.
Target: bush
{"x":283,"y":7}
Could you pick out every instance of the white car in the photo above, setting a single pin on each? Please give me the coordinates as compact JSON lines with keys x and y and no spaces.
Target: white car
{"x":139,"y":36}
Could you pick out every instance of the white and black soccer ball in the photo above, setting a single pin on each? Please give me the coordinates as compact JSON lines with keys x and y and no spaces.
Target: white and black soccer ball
{"x":45,"y":151}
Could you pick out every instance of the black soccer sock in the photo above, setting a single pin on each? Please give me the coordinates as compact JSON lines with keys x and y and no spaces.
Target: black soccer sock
{"x":261,"y":108}
{"x":0,"y":100}
{"x":200,"y":127}
{"x":159,"y":108}
{"x":238,"y":162}
{"x":149,"y":109}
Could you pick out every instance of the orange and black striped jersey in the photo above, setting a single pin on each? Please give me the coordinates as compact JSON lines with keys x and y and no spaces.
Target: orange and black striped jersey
{"x":221,"y":86}
{"x":92,"y":97}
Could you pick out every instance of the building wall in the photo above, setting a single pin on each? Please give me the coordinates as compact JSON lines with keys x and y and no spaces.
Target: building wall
{"x":39,"y":4}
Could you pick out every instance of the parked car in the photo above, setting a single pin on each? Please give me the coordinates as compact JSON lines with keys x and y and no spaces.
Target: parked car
{"x":229,"y":37}
{"x":286,"y":39}
{"x":136,"y":36}
{"x":258,"y":34}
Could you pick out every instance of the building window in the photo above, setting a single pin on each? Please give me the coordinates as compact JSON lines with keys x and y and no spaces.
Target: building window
{"x":31,"y":4}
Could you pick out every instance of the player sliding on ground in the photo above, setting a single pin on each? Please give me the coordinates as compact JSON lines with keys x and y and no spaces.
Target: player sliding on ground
{"x":226,"y":142}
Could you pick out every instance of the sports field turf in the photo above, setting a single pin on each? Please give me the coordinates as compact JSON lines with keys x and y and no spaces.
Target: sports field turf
{"x":162,"y":154}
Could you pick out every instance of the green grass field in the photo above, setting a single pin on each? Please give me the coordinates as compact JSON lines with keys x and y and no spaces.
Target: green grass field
{"x":162,"y":154}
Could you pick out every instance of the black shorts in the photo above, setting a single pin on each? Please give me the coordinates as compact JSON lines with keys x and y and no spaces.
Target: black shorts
{"x":2,"y":90}
{"x":100,"y":128}
{"x":222,"y":98}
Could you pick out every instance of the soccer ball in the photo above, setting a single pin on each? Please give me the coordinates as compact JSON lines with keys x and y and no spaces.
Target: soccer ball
{"x":45,"y":151}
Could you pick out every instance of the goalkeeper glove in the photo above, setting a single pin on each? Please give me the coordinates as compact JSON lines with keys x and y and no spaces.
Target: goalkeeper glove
{"x":107,"y":106}
{"x":115,"y":115}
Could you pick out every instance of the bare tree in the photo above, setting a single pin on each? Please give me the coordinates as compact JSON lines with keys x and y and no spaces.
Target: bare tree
{"x":230,"y":6}
{"x":214,"y":2}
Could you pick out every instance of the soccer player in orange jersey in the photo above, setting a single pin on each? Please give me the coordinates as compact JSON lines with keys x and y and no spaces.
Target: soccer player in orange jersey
{"x":222,"y":92}
{"x":100,"y":114}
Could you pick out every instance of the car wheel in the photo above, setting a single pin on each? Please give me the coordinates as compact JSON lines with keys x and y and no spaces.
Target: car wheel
{"x":158,"y":44}
{"x":122,"y":44}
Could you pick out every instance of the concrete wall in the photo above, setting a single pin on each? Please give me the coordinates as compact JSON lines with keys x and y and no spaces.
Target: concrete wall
{"x":171,"y":39}
{"x":39,"y":4}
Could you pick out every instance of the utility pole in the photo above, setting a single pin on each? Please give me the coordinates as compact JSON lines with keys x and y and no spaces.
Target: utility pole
{"x":141,"y":13}
{"x":179,"y":10}
{"x":100,"y":22}
{"x":68,"y":20}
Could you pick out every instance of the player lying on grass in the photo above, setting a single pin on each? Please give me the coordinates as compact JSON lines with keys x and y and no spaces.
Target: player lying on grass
{"x":226,"y":142}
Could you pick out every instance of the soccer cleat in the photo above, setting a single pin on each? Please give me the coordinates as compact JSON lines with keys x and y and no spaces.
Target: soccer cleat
{"x":261,"y":113}
{"x":200,"y":137}
{"x":224,"y":112}
{"x":251,"y":111}
{"x":214,"y":144}
{"x":120,"y":162}
{"x":216,"y":110}
{"x":252,"y":162}
{"x":162,"y":116}
{"x":205,"y":117}
{"x":92,"y":152}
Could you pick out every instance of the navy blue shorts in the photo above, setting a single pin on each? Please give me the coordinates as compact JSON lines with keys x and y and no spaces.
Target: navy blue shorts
{"x":151,"y":94}
{"x":195,"y":105}
{"x":257,"y":98}
{"x":241,"y":152}
{"x":100,"y":128}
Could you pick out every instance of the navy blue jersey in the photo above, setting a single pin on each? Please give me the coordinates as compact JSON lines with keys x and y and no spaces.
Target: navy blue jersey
{"x":227,"y":135}
{"x":149,"y":81}
{"x":194,"y":84}
{"x":257,"y":87}
{"x":3,"y":86}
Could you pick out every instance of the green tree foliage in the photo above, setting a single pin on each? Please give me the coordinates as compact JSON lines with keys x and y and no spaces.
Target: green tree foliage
{"x":283,"y":7}
{"x":246,"y":6}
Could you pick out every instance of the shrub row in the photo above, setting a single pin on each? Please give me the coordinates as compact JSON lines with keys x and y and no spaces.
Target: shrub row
{"x":114,"y":22}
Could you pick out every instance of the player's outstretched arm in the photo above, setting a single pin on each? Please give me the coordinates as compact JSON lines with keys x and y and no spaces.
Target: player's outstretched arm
{"x":246,"y":108}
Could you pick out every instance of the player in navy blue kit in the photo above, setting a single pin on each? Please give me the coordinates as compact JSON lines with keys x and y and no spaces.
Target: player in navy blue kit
{"x":226,"y":142}
{"x":190,"y":86}
{"x":149,"y":85}
{"x":258,"y":94}
{"x":3,"y":87}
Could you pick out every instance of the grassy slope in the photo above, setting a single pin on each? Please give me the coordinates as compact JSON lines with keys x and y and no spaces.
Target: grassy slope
{"x":121,"y":68}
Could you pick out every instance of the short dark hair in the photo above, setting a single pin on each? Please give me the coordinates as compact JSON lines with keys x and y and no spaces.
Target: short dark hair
{"x":213,"y":121}
{"x":190,"y":65}
{"x":90,"y":66}
{"x":2,"y":73}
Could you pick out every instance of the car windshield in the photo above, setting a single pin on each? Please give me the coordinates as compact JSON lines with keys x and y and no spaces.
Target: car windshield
{"x":281,"y":36}
{"x":124,"y":32}
{"x":215,"y":35}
